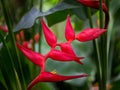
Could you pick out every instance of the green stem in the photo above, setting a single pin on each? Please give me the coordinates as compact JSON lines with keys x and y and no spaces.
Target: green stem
{"x":40,"y":32}
{"x":101,"y":15}
{"x":96,"y":49}
{"x":89,"y":17}
{"x":13,"y":66}
{"x":107,"y":3}
{"x":41,"y":5}
{"x":8,"y":21}
{"x":110,"y":48}
{"x":103,"y":50}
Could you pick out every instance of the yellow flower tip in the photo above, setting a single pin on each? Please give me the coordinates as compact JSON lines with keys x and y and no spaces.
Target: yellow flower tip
{"x":54,"y":72}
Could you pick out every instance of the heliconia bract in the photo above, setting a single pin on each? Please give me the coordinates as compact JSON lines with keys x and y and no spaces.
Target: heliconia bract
{"x":69,"y":31}
{"x":50,"y":77}
{"x":94,"y":4}
{"x":89,"y":34}
{"x":62,"y":56}
{"x":34,"y":57}
{"x":49,"y":36}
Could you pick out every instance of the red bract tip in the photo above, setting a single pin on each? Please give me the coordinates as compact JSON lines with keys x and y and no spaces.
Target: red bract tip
{"x":89,"y":34}
{"x":62,"y":56}
{"x":49,"y":36}
{"x":94,"y":4}
{"x":4,"y":28}
{"x":69,"y":31}
{"x":22,"y":35}
{"x":34,"y":57}
{"x":36,"y":37}
{"x":50,"y":77}
{"x":17,"y":37}
{"x":27,"y":45}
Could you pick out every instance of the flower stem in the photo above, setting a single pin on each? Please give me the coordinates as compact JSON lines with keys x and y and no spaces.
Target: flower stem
{"x":96,"y":49}
{"x":103,"y":49}
{"x":109,"y":54}
{"x":89,"y":16}
{"x":40,"y":32}
{"x":8,"y":21}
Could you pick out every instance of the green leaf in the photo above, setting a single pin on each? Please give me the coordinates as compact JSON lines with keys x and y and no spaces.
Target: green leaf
{"x":114,"y":10}
{"x":57,"y":17}
{"x":80,"y":11}
{"x":1,"y":45}
{"x":29,"y":18}
{"x":2,"y":87}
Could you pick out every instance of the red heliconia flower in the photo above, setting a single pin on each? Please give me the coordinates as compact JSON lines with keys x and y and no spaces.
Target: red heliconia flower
{"x":50,"y":77}
{"x":34,"y":57}
{"x":17,"y":37}
{"x":36,"y":37}
{"x":69,"y":31}
{"x":67,"y":48}
{"x":22,"y":35}
{"x":89,"y":34}
{"x":62,"y":56}
{"x":49,"y":36}
{"x":4,"y":28}
{"x":94,"y":4}
{"x":27,"y":45}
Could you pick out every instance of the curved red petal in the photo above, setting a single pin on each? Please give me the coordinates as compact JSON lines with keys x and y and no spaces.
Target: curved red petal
{"x":49,"y":36}
{"x":62,"y":56}
{"x":69,"y":31}
{"x":34,"y":57}
{"x":50,"y":77}
{"x":89,"y":34}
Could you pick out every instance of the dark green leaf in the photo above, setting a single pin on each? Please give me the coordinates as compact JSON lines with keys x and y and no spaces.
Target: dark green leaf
{"x":29,"y":18}
{"x":2,"y":87}
{"x":115,"y":9}
{"x":57,"y":17}
{"x":80,"y":11}
{"x":1,"y":45}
